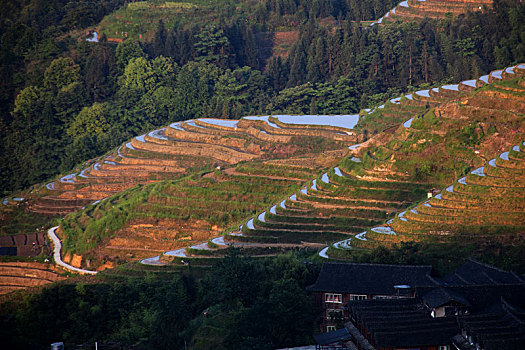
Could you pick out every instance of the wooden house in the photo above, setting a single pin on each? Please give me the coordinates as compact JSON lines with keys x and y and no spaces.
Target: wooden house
{"x":339,"y":283}
{"x":473,"y":317}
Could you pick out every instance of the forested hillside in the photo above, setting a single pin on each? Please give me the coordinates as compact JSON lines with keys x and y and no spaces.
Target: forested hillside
{"x":200,"y":209}
{"x":65,"y":100}
{"x":263,"y":304}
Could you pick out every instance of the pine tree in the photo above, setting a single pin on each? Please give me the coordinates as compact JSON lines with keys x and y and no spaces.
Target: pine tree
{"x":170,"y":49}
{"x":159,"y":39}
{"x":297,"y":65}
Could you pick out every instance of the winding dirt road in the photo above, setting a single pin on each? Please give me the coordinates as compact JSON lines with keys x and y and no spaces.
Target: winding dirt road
{"x":58,"y":259}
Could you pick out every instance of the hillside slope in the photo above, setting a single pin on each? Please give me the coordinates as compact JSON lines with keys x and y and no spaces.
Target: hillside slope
{"x":210,"y":175}
{"x":413,"y":10}
{"x":446,"y":131}
{"x":483,"y":206}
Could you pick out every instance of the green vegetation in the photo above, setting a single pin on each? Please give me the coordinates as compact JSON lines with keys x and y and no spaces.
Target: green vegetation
{"x":238,"y":303}
{"x":275,"y":170}
{"x":427,"y":121}
{"x":222,"y":203}
{"x":65,"y":100}
{"x":437,"y":149}
{"x":444,"y":257}
{"x":17,"y":220}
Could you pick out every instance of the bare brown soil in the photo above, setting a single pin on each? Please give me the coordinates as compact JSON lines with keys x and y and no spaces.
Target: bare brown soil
{"x":20,"y":275}
{"x":31,"y":244}
{"x":283,"y":42}
{"x":145,"y":237}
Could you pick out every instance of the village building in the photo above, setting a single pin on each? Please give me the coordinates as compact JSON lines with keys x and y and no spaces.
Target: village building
{"x":473,"y":272}
{"x":399,"y":324}
{"x":400,"y":307}
{"x":479,"y":317}
{"x":339,"y":283}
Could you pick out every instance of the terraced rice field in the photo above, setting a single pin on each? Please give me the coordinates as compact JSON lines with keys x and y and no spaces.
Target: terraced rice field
{"x":486,"y":203}
{"x":410,"y":10}
{"x":490,"y":200}
{"x":171,"y":214}
{"x":279,"y":181}
{"x":20,"y":275}
{"x":181,"y":148}
{"x":333,"y":206}
{"x":218,"y":173}
{"x":346,"y":202}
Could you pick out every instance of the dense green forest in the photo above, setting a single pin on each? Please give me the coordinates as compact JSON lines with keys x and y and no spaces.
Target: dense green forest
{"x":65,"y":100}
{"x":239,"y":303}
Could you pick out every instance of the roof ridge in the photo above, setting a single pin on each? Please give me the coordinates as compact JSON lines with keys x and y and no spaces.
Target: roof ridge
{"x":437,"y":282}
{"x":487,"y":265}
{"x":490,"y":278}
{"x":510,"y":310}
{"x":517,"y":276}
{"x":372,"y":264}
{"x":461,"y":278}
{"x":450,"y":296}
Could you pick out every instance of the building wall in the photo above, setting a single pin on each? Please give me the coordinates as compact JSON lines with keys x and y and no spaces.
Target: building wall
{"x":320,"y":298}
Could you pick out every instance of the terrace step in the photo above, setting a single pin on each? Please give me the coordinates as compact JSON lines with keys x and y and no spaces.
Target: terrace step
{"x":20,"y":275}
{"x":417,"y":9}
{"x":486,"y":204}
{"x":217,"y":152}
{"x":476,"y":202}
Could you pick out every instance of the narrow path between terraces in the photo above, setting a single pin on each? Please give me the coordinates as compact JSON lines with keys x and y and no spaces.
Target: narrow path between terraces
{"x":233,"y":172}
{"x":58,"y":259}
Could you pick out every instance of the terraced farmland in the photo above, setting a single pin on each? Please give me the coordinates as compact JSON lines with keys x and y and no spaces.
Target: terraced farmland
{"x":212,"y":173}
{"x":179,"y":149}
{"x":394,"y":169}
{"x":283,"y":181}
{"x":488,"y":201}
{"x":486,"y":204}
{"x":333,"y":206}
{"x":410,"y":10}
{"x":20,"y":275}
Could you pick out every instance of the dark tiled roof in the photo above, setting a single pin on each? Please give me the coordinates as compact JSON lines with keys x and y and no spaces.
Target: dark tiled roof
{"x":339,"y":335}
{"x":441,"y":296}
{"x":475,"y":272}
{"x":372,"y":279}
{"x":433,"y":335}
{"x":404,"y":323}
{"x":505,"y":344}
{"x":380,"y":305}
{"x":483,"y":298}
{"x":495,"y":318}
{"x":502,"y":331}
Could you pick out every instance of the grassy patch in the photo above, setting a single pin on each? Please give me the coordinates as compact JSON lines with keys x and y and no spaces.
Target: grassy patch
{"x":18,"y":220}
{"x":139,"y":19}
{"x":444,"y":257}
